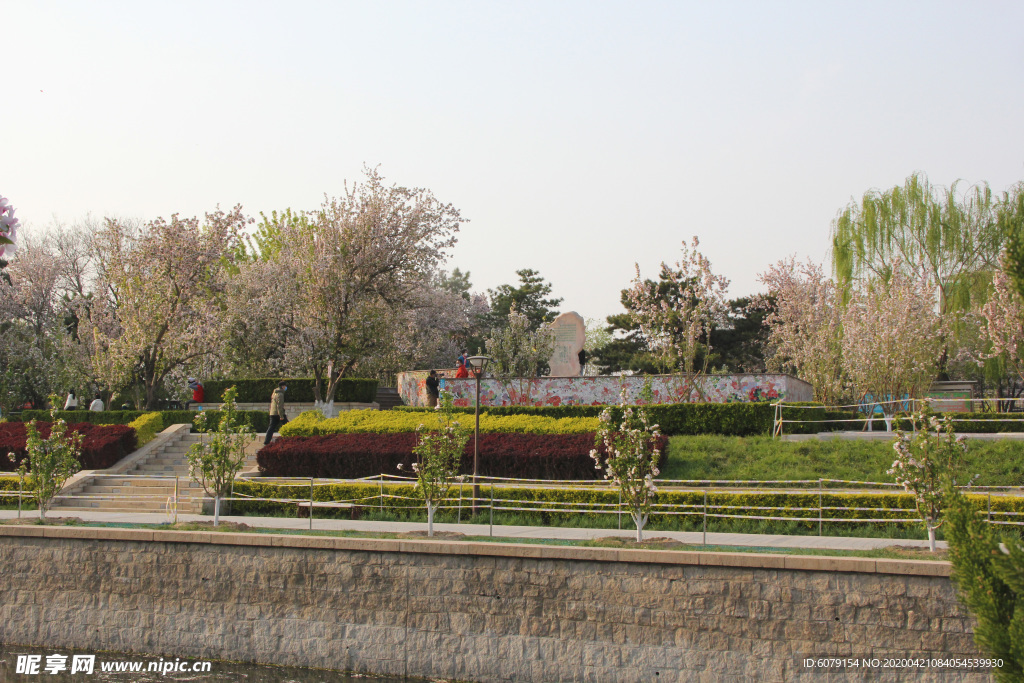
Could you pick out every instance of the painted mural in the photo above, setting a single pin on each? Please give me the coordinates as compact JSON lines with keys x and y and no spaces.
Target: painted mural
{"x":603,"y":390}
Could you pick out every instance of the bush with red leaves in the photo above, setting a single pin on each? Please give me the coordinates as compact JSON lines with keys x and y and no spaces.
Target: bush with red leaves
{"x":351,"y":456}
{"x":102,"y":445}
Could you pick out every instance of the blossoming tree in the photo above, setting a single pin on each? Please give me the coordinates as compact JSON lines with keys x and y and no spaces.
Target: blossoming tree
{"x":8,"y":228}
{"x":892,"y":340}
{"x":805,"y":330}
{"x":51,"y":461}
{"x":438,"y":455}
{"x":926,"y":463}
{"x":516,"y":353}
{"x":1004,"y":322}
{"x":629,"y":455}
{"x":677,"y":323}
{"x":220,"y":453}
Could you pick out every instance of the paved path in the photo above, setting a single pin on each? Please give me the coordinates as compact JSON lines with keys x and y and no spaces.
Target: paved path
{"x":563,"y":533}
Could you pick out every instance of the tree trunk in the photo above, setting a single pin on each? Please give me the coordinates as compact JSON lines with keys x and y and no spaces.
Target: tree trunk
{"x":216,"y":510}
{"x":931,"y":538}
{"x":640,"y":521}
{"x":430,"y":519}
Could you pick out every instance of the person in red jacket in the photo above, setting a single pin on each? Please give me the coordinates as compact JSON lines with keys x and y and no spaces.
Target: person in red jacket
{"x":198,"y":393}
{"x":461,"y":372}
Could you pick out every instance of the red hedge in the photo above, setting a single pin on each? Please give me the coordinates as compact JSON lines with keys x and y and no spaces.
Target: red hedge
{"x":351,"y":456}
{"x":102,"y":445}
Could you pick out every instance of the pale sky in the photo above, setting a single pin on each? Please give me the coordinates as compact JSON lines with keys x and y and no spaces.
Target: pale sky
{"x":577,"y":137}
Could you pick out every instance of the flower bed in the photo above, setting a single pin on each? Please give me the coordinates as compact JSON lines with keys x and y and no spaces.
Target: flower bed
{"x":351,"y":456}
{"x":313,"y":423}
{"x":102,"y":445}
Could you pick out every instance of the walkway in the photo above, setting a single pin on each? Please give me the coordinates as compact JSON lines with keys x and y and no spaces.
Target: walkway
{"x":765,"y":541}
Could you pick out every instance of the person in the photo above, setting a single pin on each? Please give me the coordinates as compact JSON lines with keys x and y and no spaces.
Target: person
{"x":72,"y":401}
{"x":198,"y":392}
{"x":463,"y":359}
{"x":433,"y":389}
{"x":97,"y":404}
{"x":582,"y":356}
{"x":461,"y":372}
{"x":277,"y":414}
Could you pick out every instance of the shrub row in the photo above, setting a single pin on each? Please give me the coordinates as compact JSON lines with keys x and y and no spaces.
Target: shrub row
{"x":901,"y":505}
{"x":258,"y":420}
{"x":300,"y":390}
{"x":313,"y":423}
{"x":351,"y":456}
{"x":102,"y":445}
{"x":146,"y":428}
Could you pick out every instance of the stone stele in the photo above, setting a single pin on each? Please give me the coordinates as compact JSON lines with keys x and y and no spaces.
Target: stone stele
{"x":570,"y":336}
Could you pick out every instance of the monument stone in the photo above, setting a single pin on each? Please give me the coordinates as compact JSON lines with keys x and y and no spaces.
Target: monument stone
{"x":570,"y":336}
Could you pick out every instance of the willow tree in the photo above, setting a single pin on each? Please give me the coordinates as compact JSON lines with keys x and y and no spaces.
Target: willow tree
{"x":1011,"y":219}
{"x":953,"y":238}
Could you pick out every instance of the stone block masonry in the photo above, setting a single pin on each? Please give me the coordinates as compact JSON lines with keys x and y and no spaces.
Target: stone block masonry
{"x":475,"y":611}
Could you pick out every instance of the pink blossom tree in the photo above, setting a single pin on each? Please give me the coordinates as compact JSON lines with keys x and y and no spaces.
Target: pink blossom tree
{"x":805,"y":330}
{"x":892,"y":340}
{"x":1003,"y":324}
{"x":677,"y":323}
{"x":8,"y":228}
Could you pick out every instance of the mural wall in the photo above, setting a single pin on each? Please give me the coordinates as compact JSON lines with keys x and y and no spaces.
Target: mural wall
{"x":556,"y":391}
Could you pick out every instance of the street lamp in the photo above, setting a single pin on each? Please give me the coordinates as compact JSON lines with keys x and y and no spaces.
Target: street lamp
{"x":477,"y":365}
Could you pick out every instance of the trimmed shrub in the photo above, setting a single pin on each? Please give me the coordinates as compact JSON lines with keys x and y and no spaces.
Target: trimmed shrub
{"x":257,"y":419}
{"x":351,"y":456}
{"x":146,"y":428}
{"x":312,"y":423}
{"x":300,"y":390}
{"x":901,"y":505}
{"x":102,"y":445}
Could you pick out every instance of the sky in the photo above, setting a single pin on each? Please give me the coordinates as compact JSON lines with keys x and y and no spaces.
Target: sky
{"x":578,"y":138}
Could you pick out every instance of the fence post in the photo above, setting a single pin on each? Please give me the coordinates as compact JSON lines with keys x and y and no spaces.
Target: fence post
{"x":492,"y":508}
{"x":311,"y":503}
{"x":820,"y":485}
{"x":176,"y":499}
{"x":460,"y":504}
{"x":620,"y":509}
{"x":990,"y":508}
{"x":705,"y":517}
{"x":380,"y":478}
{"x":20,"y":482}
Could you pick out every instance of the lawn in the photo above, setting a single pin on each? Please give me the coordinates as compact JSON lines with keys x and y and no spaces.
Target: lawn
{"x":1000,"y":463}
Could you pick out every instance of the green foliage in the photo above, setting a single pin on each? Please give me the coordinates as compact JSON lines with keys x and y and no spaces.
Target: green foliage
{"x":300,"y":389}
{"x":527,"y":298}
{"x":990,"y":582}
{"x":1011,"y":221}
{"x":313,"y":423}
{"x":146,"y":428}
{"x":257,"y":420}
{"x":214,"y":461}
{"x":53,"y":460}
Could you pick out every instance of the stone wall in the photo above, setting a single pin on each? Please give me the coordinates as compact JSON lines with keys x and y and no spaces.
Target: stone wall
{"x":476,"y":612}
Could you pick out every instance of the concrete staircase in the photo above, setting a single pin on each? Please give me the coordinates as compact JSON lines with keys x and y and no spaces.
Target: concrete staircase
{"x":388,"y":398}
{"x":145,"y":485}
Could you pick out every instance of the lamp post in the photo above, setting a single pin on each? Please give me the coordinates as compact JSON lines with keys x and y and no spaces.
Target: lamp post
{"x":477,"y":365}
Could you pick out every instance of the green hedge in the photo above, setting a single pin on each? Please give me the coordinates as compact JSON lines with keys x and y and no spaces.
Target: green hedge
{"x":902,"y":504}
{"x":146,"y":428}
{"x":729,"y":419}
{"x":300,"y":390}
{"x":257,"y":419}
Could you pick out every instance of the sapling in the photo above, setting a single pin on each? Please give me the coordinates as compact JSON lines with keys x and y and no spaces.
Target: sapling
{"x":628,"y":453}
{"x":438,"y":455}
{"x":927,"y":461}
{"x":214,"y":463}
{"x":51,"y":461}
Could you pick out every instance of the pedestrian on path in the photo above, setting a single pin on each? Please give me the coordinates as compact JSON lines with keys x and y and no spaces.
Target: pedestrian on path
{"x":72,"y":401}
{"x":277,"y":414}
{"x":97,"y":404}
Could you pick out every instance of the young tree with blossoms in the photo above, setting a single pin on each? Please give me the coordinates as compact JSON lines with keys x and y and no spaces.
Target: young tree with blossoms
{"x":892,"y":340}
{"x":927,"y":463}
{"x":677,"y":323}
{"x":8,"y":228}
{"x":51,"y":461}
{"x":629,"y":455}
{"x":516,"y":352}
{"x":805,"y":326}
{"x":438,"y":455}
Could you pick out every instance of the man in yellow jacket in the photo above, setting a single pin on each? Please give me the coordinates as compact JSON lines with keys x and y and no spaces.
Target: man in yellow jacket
{"x":277,"y":415}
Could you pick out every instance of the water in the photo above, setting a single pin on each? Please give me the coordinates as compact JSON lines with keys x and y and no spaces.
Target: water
{"x":219,"y":672}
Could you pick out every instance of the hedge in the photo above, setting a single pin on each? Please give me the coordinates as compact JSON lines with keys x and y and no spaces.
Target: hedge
{"x":352,"y":456}
{"x":147,"y":427}
{"x":300,"y":390}
{"x":902,"y":504}
{"x":313,"y":423}
{"x":102,"y":445}
{"x":258,"y":420}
